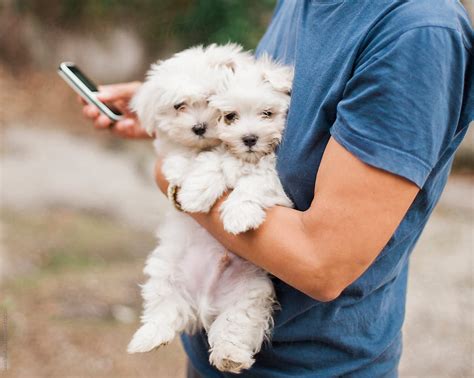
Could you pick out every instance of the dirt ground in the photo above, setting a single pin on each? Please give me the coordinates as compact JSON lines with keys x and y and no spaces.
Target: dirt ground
{"x":78,"y":210}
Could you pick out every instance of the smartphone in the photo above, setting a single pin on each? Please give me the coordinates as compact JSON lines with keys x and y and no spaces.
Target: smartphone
{"x":86,"y":89}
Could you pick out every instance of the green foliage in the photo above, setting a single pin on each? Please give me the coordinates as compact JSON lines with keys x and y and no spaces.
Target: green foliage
{"x":159,"y":23}
{"x":209,"y":21}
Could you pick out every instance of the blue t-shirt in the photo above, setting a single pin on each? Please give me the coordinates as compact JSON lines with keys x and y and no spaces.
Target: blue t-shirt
{"x":392,"y":82}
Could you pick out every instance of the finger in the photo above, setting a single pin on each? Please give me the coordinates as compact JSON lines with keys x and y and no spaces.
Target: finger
{"x":126,"y":124}
{"x":123,"y":106}
{"x":102,"y":122}
{"x":90,"y":111}
{"x":115,"y":92}
{"x":80,"y":100}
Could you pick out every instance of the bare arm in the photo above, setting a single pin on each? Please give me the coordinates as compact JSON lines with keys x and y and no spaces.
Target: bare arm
{"x":355,"y":211}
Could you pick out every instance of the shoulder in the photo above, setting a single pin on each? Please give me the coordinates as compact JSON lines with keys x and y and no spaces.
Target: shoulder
{"x":419,"y":13}
{"x":400,"y":17}
{"x":429,"y":12}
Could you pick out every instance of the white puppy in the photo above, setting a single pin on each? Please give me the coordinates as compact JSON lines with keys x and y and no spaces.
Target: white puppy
{"x":192,"y":284}
{"x":252,"y":113}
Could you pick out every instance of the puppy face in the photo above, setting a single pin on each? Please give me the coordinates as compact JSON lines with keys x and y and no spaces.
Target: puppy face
{"x":174,"y":100}
{"x":252,"y":109}
{"x":183,"y":115}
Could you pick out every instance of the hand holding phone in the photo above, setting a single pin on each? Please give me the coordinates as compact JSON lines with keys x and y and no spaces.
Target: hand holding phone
{"x":88,"y":91}
{"x":115,"y":97}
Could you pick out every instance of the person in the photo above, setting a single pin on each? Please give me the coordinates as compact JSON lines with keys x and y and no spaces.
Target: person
{"x":382,"y":98}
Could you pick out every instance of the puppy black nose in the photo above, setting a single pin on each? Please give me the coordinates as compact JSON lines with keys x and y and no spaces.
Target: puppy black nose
{"x":199,"y":129}
{"x":250,"y":140}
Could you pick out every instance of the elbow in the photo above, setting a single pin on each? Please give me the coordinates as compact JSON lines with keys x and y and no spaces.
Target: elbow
{"x":326,"y":285}
{"x":322,"y":278}
{"x":324,"y":294}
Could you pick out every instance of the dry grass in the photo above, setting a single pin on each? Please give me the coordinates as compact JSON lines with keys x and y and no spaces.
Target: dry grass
{"x":72,"y":298}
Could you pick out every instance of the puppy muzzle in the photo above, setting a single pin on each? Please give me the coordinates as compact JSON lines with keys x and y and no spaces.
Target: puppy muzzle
{"x":199,"y":129}
{"x":250,"y":140}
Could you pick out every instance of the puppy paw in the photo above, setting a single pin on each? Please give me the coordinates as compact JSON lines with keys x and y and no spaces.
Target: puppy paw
{"x":193,"y":201}
{"x":150,"y":336}
{"x":241,"y":217}
{"x":231,"y":358}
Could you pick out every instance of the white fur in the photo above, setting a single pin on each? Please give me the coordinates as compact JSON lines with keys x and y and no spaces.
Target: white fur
{"x":249,"y":171}
{"x":193,"y":281}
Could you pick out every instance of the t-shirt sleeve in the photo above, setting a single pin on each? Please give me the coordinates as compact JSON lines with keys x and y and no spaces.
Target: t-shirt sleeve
{"x":401,"y":107}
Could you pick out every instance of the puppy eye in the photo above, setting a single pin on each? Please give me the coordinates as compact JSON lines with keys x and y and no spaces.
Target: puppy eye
{"x":230,"y":117}
{"x":180,"y":106}
{"x":209,"y":97}
{"x":267,"y":114}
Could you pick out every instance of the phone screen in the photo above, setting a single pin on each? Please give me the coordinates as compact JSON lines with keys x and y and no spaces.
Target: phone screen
{"x":90,"y":85}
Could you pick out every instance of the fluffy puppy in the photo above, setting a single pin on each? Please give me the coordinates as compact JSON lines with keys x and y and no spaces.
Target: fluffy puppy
{"x":191,"y":283}
{"x":252,"y":113}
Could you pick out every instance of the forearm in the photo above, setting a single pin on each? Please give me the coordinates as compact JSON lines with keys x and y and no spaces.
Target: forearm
{"x":280,"y":245}
{"x":283,"y":247}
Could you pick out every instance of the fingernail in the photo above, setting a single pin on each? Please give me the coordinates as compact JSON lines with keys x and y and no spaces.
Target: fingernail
{"x":104,"y":122}
{"x":104,"y":96}
{"x":128,"y":122}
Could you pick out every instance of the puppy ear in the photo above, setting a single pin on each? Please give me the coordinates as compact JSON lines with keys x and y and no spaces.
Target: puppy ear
{"x":145,"y":101}
{"x":226,"y":56}
{"x":279,"y":76}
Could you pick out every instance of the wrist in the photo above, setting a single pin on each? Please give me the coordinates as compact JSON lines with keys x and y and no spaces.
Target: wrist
{"x":160,"y":179}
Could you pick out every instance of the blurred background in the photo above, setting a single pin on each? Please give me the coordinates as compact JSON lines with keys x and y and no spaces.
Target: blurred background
{"x":79,"y":207}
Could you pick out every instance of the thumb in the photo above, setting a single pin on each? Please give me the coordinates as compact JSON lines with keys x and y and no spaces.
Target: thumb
{"x":115,"y":92}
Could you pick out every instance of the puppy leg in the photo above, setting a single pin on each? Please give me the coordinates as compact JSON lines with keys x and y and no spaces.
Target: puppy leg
{"x":204,"y":184}
{"x":244,"y":210}
{"x":175,"y":168}
{"x":237,"y":333}
{"x":167,"y":311}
